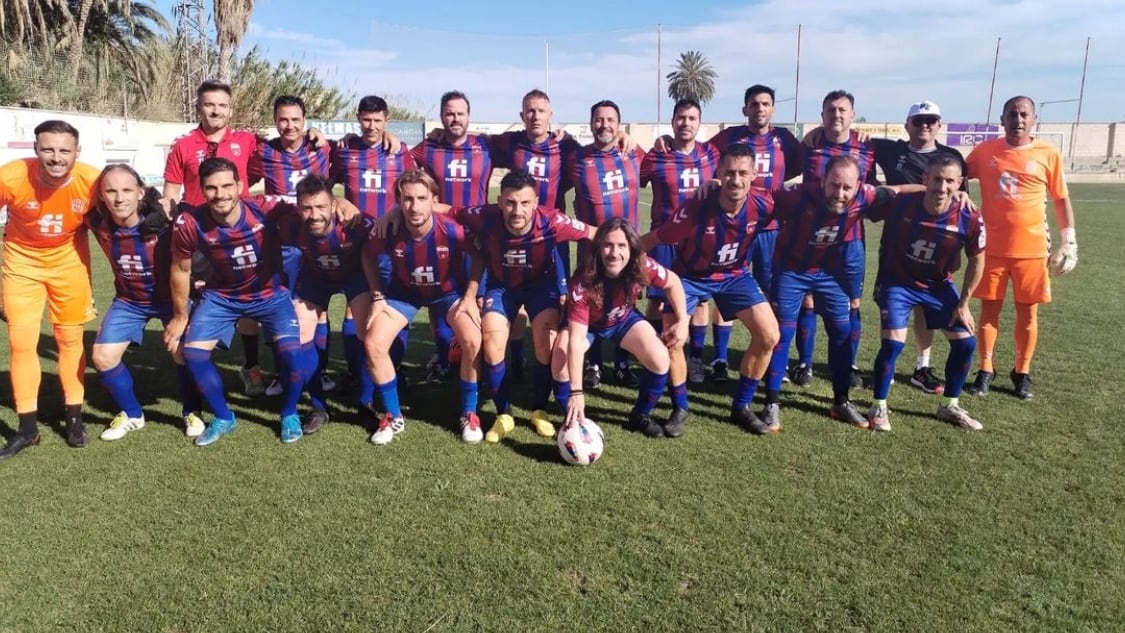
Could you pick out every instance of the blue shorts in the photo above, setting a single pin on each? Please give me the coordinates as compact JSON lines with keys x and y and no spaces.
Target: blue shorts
{"x":829,"y":295}
{"x":290,"y":266}
{"x":855,"y":263}
{"x":939,"y":304}
{"x":320,"y":293}
{"x":439,"y":307}
{"x":215,"y":317}
{"x":663,"y":254}
{"x":540,"y":296}
{"x":125,"y":322}
{"x":617,"y":331}
{"x":760,"y":257}
{"x":731,"y":295}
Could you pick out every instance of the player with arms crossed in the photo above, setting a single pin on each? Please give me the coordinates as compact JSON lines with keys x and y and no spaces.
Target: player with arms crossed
{"x":47,"y":262}
{"x":428,"y":255}
{"x":712,"y":237}
{"x":924,"y":235}
{"x":818,"y":220}
{"x":602,"y":304}
{"x":607,"y":183}
{"x":1019,"y":176}
{"x":243,"y":247}
{"x":130,"y":225}
{"x":674,"y":175}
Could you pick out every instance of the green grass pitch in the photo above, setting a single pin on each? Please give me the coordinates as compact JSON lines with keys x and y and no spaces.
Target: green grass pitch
{"x":820,"y":528}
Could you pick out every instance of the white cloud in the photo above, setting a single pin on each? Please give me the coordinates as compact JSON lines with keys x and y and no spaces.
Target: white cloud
{"x":888,"y":56}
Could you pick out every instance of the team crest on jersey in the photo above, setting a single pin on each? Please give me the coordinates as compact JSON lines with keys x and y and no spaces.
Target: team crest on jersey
{"x":236,"y":149}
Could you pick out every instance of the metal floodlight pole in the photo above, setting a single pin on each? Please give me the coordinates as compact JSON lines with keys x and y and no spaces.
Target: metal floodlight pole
{"x":797,"y":77}
{"x":992,"y":89}
{"x":1081,"y":93}
{"x":659,"y":51}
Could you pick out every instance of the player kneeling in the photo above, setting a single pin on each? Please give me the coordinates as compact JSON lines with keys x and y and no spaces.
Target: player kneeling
{"x":131,"y":227}
{"x":427,"y":255}
{"x":924,"y":234}
{"x":602,"y":303}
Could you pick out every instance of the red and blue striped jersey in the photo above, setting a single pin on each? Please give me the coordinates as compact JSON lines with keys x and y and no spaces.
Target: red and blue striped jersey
{"x":140,"y":262}
{"x":281,"y":169}
{"x":245,"y":258}
{"x":674,"y":176}
{"x":368,"y":174}
{"x":426,"y":269}
{"x":777,"y":153}
{"x":607,"y":184}
{"x":545,"y":161}
{"x":330,"y":259}
{"x":811,"y":235}
{"x":515,"y":262}
{"x":816,"y":159}
{"x":462,"y":173}
{"x":918,"y":249}
{"x":617,"y":300}
{"x":710,"y":243}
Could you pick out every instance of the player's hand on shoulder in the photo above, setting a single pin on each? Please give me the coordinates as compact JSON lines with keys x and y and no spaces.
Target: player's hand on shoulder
{"x":813,"y":137}
{"x":346,"y":212}
{"x":436,"y":135}
{"x":964,"y":198}
{"x":704,"y":191}
{"x":386,"y":225}
{"x":392,"y":144}
{"x":317,"y":138}
{"x":663,"y":144}
{"x":626,"y":143}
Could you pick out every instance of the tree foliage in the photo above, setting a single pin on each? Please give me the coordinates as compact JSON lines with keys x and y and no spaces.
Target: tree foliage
{"x":257,"y":82}
{"x":693,"y":78}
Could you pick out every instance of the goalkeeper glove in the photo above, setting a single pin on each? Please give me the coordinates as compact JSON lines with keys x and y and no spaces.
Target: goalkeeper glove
{"x":1066,"y":258}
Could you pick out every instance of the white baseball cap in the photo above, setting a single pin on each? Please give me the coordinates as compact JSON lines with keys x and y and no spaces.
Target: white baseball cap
{"x":924,"y":108}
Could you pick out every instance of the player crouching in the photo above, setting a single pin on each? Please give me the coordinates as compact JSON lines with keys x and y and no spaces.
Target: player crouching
{"x":926,"y":233}
{"x":602,"y":303}
{"x":427,"y":255}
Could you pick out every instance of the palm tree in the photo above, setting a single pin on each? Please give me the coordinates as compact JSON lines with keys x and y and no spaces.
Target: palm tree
{"x":694,"y":78}
{"x":24,"y":22}
{"x":232,"y":19}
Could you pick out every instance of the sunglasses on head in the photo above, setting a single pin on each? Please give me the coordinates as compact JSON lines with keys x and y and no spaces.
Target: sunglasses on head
{"x":919,"y":121}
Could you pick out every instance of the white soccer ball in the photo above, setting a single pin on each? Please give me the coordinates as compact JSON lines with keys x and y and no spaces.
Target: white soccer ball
{"x":580,"y":444}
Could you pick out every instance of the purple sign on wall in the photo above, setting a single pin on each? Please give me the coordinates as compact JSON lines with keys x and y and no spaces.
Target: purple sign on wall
{"x":970,"y":134}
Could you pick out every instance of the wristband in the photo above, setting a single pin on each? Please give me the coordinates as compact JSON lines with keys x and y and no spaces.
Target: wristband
{"x":375,"y":298}
{"x":1067,"y":235}
{"x":575,"y":392}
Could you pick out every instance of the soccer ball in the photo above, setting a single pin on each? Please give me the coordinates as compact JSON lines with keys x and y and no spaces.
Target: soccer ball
{"x":581,"y":444}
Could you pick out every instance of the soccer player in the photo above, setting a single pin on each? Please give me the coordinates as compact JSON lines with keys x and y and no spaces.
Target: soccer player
{"x":368,"y":169}
{"x":607,"y":183}
{"x":674,"y":175}
{"x":712,"y":237}
{"x":602,"y":304}
{"x":818,"y":220}
{"x":461,"y":164}
{"x":129,"y":224}
{"x":329,"y":251}
{"x":925,"y":235}
{"x":1019,"y":176}
{"x":244,"y":250}
{"x":517,"y":239}
{"x":281,"y":163}
{"x":837,"y":139}
{"x":47,"y":261}
{"x":428,"y":256}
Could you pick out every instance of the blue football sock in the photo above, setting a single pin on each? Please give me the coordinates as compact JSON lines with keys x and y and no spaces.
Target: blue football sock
{"x":620,"y":358}
{"x":562,"y":394}
{"x":499,"y":385}
{"x":958,"y":364}
{"x":470,"y":392}
{"x":747,"y":387}
{"x":885,"y":367}
{"x":443,"y":336}
{"x":388,"y":391}
{"x":780,"y":358}
{"x":721,"y":335}
{"x":806,"y":336}
{"x":119,"y":383}
{"x":679,"y":396}
{"x":651,"y":388}
{"x":353,"y":347}
{"x":207,"y":381}
{"x":840,"y":358}
{"x":857,"y":333}
{"x":190,"y":400}
{"x":310,"y":370}
{"x":320,"y":341}
{"x":697,"y":337}
{"x":290,"y":372}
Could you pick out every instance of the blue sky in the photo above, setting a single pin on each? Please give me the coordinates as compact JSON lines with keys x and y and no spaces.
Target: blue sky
{"x":889,"y":54}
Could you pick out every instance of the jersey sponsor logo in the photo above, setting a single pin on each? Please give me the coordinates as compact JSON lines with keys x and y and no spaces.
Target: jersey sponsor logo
{"x":726,"y":255}
{"x":423,"y":276}
{"x":617,"y":313}
{"x":458,"y":169}
{"x":763,"y":163}
{"x":689,"y":178}
{"x":515,"y":258}
{"x":328,"y":262}
{"x":922,"y":251}
{"x":1009,"y":186}
{"x":128,"y":264}
{"x":295,"y":177}
{"x":51,"y":224}
{"x":372,"y":180}
{"x":614,"y":181}
{"x":826,"y":235}
{"x":537,"y":166}
{"x":244,"y":256}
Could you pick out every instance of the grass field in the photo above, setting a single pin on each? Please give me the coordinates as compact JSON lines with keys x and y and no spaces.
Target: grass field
{"x":820,"y":528}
